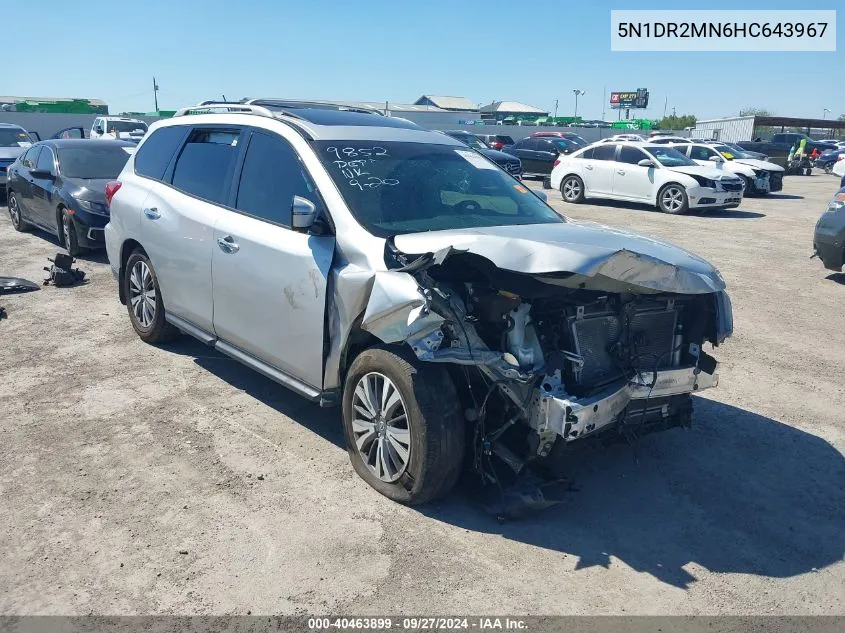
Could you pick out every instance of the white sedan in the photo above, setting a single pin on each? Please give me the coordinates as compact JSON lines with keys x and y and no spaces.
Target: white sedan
{"x":644,"y":172}
{"x":759,"y":176}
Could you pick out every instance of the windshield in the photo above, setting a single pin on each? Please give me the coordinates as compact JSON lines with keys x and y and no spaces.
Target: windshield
{"x":93,"y":162}
{"x":125,"y":126}
{"x":14,"y":137}
{"x":728,"y":153}
{"x":469,"y":139}
{"x":669,"y":157}
{"x":393,"y":188}
{"x":576,"y":139}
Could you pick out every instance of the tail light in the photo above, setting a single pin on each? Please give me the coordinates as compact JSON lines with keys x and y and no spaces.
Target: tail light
{"x":557,"y":162}
{"x":112,"y":188}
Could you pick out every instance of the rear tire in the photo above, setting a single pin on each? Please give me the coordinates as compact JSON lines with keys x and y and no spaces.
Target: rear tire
{"x":143,"y":300}
{"x":412,"y":449}
{"x":572,"y":189}
{"x":673,"y":199}
{"x":15,"y":213}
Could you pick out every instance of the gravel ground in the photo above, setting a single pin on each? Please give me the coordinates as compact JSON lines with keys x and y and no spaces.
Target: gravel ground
{"x":136,"y":479}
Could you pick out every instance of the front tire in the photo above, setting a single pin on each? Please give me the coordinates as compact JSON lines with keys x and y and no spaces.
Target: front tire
{"x":71,"y":243}
{"x":673,"y":199}
{"x":143,"y":300}
{"x":404,"y":433}
{"x":15,"y":213}
{"x":572,"y":189}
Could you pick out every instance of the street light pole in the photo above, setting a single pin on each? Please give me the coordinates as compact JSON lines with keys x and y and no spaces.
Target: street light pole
{"x":155,"y":93}
{"x":555,"y":108}
{"x":578,"y":93}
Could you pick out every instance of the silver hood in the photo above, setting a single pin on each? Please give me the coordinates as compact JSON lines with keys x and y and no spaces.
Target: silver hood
{"x":589,"y":256}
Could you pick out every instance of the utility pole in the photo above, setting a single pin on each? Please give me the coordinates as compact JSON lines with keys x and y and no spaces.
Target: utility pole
{"x":673,"y":112}
{"x":155,"y":93}
{"x":665,"y":104}
{"x":555,"y":108}
{"x":578,"y":93}
{"x":603,"y":101}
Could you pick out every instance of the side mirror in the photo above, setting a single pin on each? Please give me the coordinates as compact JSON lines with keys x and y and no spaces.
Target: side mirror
{"x":303,"y":213}
{"x":646,"y":162}
{"x":717,"y":159}
{"x":98,"y":130}
{"x":541,"y":194}
{"x":41,"y":173}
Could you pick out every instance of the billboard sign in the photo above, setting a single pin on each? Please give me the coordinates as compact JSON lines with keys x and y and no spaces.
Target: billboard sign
{"x":637,"y":99}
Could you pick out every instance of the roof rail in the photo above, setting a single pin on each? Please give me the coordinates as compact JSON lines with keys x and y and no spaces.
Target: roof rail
{"x":238,"y":108}
{"x":319,"y":105}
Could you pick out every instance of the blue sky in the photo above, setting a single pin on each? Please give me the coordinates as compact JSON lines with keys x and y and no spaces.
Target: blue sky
{"x":376,"y":50}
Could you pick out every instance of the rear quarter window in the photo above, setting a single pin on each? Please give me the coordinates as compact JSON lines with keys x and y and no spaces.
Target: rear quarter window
{"x":156,"y":152}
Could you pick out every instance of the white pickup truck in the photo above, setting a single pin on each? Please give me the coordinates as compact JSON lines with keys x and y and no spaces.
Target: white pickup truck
{"x":118,"y":127}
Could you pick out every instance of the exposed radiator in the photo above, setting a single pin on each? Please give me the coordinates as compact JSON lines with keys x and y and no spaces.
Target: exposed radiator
{"x":651,"y":332}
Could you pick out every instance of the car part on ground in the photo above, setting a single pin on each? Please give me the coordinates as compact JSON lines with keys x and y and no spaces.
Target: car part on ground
{"x":60,"y":272}
{"x":449,"y":311}
{"x":10,"y":285}
{"x":829,"y":236}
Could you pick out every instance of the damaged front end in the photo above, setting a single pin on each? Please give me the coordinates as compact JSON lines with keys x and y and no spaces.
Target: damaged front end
{"x":610,"y":348}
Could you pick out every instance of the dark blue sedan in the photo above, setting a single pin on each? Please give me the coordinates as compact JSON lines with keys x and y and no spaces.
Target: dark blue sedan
{"x":510,"y":164}
{"x":60,"y":186}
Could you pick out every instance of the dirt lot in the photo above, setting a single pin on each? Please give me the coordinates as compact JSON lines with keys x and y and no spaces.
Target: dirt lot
{"x":136,"y":479}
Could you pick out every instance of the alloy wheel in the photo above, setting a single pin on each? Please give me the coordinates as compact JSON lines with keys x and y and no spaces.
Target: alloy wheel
{"x":571,"y":189}
{"x":66,"y":229}
{"x":673,"y":199}
{"x":142,"y":294}
{"x":380,"y":426}
{"x":14,"y":211}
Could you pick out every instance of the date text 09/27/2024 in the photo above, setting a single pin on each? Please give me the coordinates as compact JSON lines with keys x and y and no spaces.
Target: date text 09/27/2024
{"x":417,"y":623}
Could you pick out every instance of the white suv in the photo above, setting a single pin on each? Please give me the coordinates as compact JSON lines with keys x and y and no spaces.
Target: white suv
{"x":644,"y":172}
{"x":365,"y":262}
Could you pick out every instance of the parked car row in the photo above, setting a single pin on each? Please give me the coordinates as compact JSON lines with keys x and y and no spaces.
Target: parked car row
{"x":655,"y":174}
{"x":396,"y":273}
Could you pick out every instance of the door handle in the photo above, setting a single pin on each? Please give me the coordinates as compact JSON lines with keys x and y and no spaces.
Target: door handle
{"x":228,"y":244}
{"x":590,"y":167}
{"x":621,"y":172}
{"x":152,"y":213}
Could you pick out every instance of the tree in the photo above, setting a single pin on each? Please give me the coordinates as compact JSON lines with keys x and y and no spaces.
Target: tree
{"x":676,"y":122}
{"x":755,"y":112}
{"x":841,"y":117}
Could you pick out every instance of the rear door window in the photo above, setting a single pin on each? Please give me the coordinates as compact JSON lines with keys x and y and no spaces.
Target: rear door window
{"x":155,"y":153}
{"x":605,"y":151}
{"x":272,"y":175}
{"x":206,"y":165}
